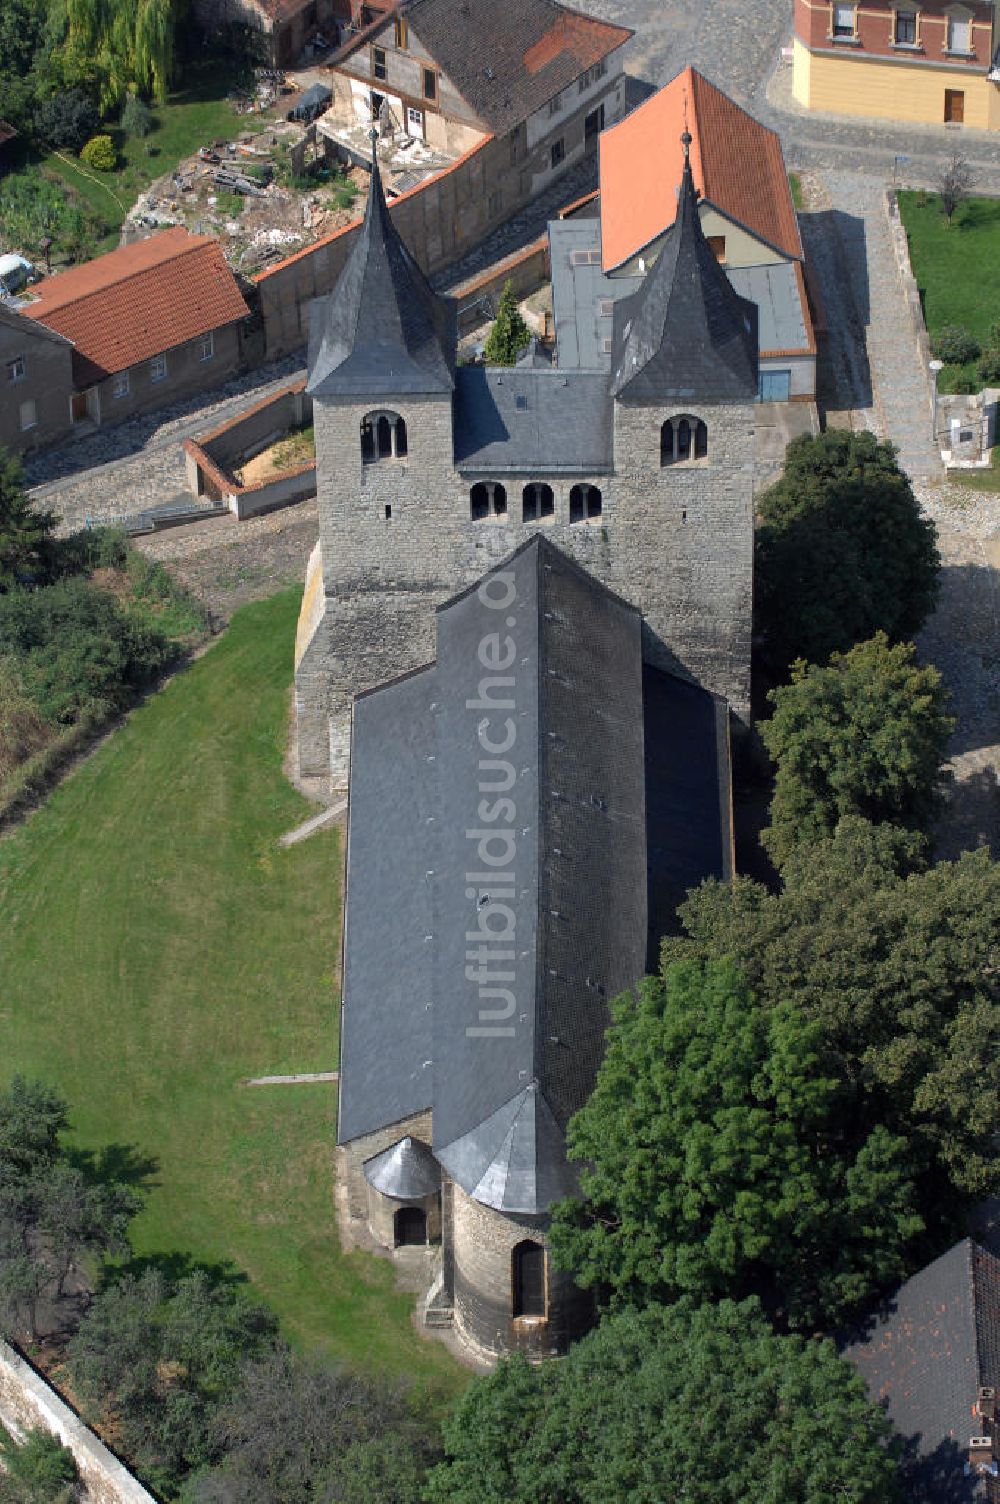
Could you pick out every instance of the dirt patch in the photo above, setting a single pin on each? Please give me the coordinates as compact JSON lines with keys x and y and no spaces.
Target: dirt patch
{"x":289,"y":453}
{"x":225,"y":563}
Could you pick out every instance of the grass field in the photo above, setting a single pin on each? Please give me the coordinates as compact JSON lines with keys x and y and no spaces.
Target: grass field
{"x":158,"y":948}
{"x":191,"y":117}
{"x":957,"y":269}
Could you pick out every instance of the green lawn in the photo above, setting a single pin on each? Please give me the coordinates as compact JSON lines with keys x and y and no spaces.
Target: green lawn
{"x":191,"y":117}
{"x":158,"y":948}
{"x":957,"y":268}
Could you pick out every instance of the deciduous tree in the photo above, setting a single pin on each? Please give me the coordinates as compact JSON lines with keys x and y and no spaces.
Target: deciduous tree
{"x":899,"y":968}
{"x":864,"y":735}
{"x":842,"y":550}
{"x":715,"y":1162}
{"x":700,"y":1404}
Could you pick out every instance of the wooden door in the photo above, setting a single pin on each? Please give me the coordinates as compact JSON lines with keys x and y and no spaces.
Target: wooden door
{"x":954,"y":106}
{"x":78,"y":406}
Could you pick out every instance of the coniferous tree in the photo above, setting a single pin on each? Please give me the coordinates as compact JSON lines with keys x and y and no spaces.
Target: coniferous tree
{"x":509,"y":334}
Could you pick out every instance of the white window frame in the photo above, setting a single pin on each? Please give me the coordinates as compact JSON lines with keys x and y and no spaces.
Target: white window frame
{"x":120,"y":385}
{"x":29,"y":403}
{"x":158,"y":368}
{"x":16,"y":369}
{"x":838,"y":24}
{"x":958,"y":18}
{"x":207,"y":345}
{"x":414,"y":121}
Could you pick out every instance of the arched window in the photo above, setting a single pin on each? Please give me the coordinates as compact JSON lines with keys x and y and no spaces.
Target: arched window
{"x":383,"y":437}
{"x":528,"y":1279}
{"x":584,"y":503}
{"x":682,"y":439}
{"x":487,"y":499}
{"x":537,"y":501}
{"x":410,"y":1227}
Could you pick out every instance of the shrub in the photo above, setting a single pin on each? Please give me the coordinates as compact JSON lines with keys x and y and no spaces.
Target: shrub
{"x":100,"y":154}
{"x":989,"y":366}
{"x":956,"y":345}
{"x":137,"y":119}
{"x":40,"y":1470}
{"x":66,"y":120}
{"x":76,"y":650}
{"x":23,"y":729}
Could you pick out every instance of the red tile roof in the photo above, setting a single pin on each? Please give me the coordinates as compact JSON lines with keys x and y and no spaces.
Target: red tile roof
{"x":736,"y":162}
{"x":138,"y":301}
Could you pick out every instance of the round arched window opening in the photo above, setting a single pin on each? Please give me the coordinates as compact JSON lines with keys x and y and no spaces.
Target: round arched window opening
{"x":383,"y":437}
{"x":537,"y":502}
{"x":487,"y":501}
{"x":585,"y":502}
{"x":682,"y":439}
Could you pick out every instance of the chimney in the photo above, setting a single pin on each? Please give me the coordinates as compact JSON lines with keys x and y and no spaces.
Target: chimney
{"x":986,"y":1402}
{"x":981,"y":1454}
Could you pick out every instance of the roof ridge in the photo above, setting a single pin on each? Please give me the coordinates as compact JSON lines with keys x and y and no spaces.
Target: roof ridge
{"x":202,"y":242}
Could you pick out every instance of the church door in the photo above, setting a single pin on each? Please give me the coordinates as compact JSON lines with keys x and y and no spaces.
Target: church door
{"x":411,"y":1227}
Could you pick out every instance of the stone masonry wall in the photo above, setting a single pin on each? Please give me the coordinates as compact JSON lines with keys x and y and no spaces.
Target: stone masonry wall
{"x":397,"y":541}
{"x":483,"y":1244}
{"x":27,"y":1401}
{"x":352,"y":1187}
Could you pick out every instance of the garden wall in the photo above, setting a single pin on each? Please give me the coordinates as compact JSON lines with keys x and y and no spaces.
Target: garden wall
{"x":27,"y":1401}
{"x":212,"y":458}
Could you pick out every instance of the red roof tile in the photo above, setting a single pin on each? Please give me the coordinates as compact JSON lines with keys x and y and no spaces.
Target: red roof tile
{"x":736,"y":162}
{"x":136,"y":302}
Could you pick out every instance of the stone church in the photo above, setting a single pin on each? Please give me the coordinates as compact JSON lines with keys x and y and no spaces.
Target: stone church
{"x":524,"y":627}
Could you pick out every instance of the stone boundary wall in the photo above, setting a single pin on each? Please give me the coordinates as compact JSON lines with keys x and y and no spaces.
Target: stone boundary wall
{"x":211,"y":458}
{"x":478,"y":297}
{"x":911,"y":292}
{"x":27,"y":1401}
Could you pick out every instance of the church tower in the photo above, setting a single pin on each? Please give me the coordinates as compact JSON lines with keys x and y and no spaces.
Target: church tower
{"x":684,"y":382}
{"x":381,"y":376}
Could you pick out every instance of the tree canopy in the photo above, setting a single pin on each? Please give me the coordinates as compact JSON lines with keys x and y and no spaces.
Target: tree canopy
{"x":715,"y":1161}
{"x":161,"y":1355}
{"x":864,"y":735}
{"x":702,"y":1404}
{"x":52,"y":1211}
{"x":842,"y":550}
{"x":306,"y":1433}
{"x":24,"y":529}
{"x":509,"y":333}
{"x":898,"y":966}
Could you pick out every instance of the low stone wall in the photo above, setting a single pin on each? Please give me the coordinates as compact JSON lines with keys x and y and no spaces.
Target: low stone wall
{"x":479,"y":296}
{"x":27,"y":1401}
{"x":212,"y":458}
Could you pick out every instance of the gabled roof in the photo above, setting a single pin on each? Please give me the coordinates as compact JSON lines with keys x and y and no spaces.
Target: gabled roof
{"x":382,"y":330}
{"x":508,"y":60}
{"x":686,"y":333}
{"x":12,"y":317}
{"x":737,"y":164}
{"x":140,"y":300}
{"x":504,"y":1056}
{"x":927,"y":1356}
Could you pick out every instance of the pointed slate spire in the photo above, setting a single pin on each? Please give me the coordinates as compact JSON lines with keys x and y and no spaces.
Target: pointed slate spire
{"x":686,"y":332}
{"x":383,"y":331}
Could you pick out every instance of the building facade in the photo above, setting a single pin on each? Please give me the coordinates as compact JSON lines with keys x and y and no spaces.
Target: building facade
{"x":933,"y":62}
{"x":126,"y":332}
{"x":429,"y":474}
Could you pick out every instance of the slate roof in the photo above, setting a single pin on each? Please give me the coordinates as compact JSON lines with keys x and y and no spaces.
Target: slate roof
{"x":407,"y":1170}
{"x":382,"y":331}
{"x":926,"y":1357}
{"x":504,"y":1070}
{"x":509,"y":60}
{"x":140,"y":300}
{"x":537,"y":418}
{"x":777,"y":291}
{"x":737,"y":164}
{"x":685,"y":332}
